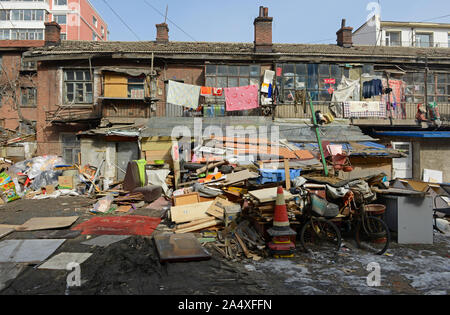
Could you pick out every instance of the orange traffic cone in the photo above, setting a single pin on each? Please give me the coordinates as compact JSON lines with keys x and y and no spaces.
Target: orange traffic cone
{"x":281,"y":225}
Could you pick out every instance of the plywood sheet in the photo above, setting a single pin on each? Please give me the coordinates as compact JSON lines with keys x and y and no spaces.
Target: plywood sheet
{"x":186,"y":199}
{"x":5,"y":231}
{"x":9,"y":271}
{"x":61,"y":261}
{"x":28,"y":251}
{"x":239,"y":177}
{"x":187,"y":213}
{"x":36,"y":224}
{"x":269,"y":194}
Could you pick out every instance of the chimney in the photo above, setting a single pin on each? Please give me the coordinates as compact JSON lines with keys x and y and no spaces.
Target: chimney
{"x":52,"y":33}
{"x":162,"y":33}
{"x":263,"y":31}
{"x":345,"y":36}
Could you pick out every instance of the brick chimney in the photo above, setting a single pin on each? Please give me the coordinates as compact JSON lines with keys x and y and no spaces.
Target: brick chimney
{"x":52,"y":33}
{"x":345,"y":36}
{"x":162,"y":33}
{"x":263,"y":31}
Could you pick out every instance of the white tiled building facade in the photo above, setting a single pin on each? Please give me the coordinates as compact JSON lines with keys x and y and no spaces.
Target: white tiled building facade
{"x":402,"y":34}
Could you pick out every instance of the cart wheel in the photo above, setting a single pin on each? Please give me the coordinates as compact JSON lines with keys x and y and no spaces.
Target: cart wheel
{"x":320,"y":234}
{"x":373,"y":236}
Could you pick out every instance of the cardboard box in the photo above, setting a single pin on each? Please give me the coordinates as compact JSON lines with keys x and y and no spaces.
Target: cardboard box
{"x":65,"y":182}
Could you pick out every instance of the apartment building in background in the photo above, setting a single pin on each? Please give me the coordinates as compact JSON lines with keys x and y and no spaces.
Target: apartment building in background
{"x":402,"y":34}
{"x":24,"y":20}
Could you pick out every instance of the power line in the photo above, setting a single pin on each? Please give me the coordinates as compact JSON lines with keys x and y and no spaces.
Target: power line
{"x":165,"y":16}
{"x":436,"y":18}
{"x":124,"y":23}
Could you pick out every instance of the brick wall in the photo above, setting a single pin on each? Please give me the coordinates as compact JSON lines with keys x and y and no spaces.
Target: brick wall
{"x":12,"y":80}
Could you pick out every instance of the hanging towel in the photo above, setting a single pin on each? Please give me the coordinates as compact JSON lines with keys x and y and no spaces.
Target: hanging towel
{"x":265,"y":88}
{"x":241,"y":98}
{"x":183,"y":94}
{"x":205,"y":91}
{"x":217,"y":91}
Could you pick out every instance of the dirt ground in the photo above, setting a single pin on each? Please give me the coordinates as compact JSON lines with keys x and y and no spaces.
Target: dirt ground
{"x":131,"y":266}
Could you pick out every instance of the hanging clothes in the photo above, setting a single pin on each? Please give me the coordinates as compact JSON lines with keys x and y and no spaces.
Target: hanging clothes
{"x":348,"y":90}
{"x":206,"y":91}
{"x":183,"y":94}
{"x":241,"y":98}
{"x":217,"y":91}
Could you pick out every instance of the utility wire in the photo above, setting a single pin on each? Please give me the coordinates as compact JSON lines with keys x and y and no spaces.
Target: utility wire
{"x":165,"y":16}
{"x":124,"y":23}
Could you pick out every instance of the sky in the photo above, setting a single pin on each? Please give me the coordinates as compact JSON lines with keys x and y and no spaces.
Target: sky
{"x":295,"y":21}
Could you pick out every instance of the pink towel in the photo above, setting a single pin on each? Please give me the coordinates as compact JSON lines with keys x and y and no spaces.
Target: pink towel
{"x":241,"y":98}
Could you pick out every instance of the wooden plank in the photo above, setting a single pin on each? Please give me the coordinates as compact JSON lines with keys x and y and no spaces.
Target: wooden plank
{"x":242,"y":244}
{"x":187,"y":213}
{"x":36,"y":224}
{"x":198,"y":227}
{"x":186,"y":199}
{"x":269,"y":194}
{"x":218,"y":207}
{"x":287,"y":174}
{"x":194,"y":223}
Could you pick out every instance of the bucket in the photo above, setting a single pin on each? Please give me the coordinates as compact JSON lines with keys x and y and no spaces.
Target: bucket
{"x":374,"y":209}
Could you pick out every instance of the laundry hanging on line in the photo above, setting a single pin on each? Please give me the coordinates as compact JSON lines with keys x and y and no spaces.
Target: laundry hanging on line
{"x":241,"y":98}
{"x":182,"y":94}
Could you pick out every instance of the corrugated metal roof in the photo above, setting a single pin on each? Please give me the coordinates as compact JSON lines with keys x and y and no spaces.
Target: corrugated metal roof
{"x":294,"y":132}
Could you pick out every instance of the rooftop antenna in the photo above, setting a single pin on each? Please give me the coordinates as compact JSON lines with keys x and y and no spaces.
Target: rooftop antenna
{"x":167,"y":9}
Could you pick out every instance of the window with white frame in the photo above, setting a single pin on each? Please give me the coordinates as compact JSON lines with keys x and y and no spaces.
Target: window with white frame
{"x":94,"y":21}
{"x":60,"y":19}
{"x":24,"y":34}
{"x":60,"y":2}
{"x":77,"y":87}
{"x":393,"y":38}
{"x":424,"y":39}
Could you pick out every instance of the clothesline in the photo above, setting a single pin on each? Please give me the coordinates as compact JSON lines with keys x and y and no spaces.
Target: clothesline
{"x":236,"y":98}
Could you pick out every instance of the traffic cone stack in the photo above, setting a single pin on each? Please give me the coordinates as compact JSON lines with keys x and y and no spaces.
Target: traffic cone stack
{"x":281,"y":245}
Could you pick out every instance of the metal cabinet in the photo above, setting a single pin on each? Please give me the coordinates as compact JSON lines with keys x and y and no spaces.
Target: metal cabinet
{"x":410,"y":217}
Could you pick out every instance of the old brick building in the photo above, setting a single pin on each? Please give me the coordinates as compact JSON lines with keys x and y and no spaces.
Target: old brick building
{"x":85,"y":85}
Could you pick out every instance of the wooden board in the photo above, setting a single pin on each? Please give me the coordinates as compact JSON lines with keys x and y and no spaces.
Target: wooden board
{"x":218,"y":207}
{"x":123,"y":209}
{"x":200,"y":226}
{"x":186,"y":199}
{"x":36,"y":224}
{"x":287,"y":174}
{"x":187,"y":213}
{"x":194,"y":223}
{"x":269,"y":194}
{"x":237,"y":177}
{"x":5,"y":231}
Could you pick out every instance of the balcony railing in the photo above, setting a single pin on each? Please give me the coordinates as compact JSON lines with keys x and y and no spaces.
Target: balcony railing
{"x":70,"y":113}
{"x":402,"y":115}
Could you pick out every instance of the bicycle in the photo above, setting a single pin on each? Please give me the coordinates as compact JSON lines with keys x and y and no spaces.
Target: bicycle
{"x":371,"y":233}
{"x":317,"y":231}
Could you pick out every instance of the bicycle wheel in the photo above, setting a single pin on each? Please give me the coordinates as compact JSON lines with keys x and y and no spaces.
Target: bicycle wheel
{"x":320,"y":234}
{"x":373,"y":235}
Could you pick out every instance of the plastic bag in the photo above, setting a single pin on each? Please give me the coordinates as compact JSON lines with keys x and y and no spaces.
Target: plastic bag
{"x":43,"y":163}
{"x":45,"y":178}
{"x":103,"y":204}
{"x":8,"y":188}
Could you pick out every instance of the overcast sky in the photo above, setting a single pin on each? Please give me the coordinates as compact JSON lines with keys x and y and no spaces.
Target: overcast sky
{"x":295,"y":21}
